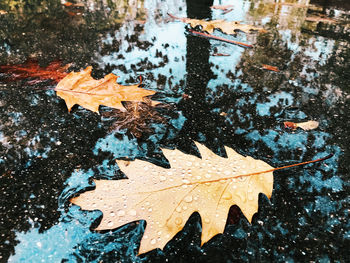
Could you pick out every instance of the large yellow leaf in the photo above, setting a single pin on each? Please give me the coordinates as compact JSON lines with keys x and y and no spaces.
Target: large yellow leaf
{"x":166,"y":198}
{"x":228,"y":27}
{"x":80,"y":88}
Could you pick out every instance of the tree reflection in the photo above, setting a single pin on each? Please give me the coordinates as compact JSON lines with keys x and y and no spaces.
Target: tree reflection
{"x":27,"y":23}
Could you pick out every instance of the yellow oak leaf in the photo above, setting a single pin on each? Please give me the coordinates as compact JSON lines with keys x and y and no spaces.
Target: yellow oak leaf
{"x":80,"y":88}
{"x":166,"y":198}
{"x":228,"y":27}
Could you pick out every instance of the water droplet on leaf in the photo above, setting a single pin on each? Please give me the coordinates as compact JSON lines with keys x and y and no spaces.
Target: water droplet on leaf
{"x":121,"y":213}
{"x":188,"y":199}
{"x":178,"y":220}
{"x":162,"y":178}
{"x":227,"y":196}
{"x":132,"y":212}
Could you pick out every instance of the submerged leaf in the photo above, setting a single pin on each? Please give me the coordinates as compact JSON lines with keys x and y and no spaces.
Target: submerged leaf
{"x":166,"y":198}
{"x":80,"y":88}
{"x":137,"y":119}
{"x":54,"y":71}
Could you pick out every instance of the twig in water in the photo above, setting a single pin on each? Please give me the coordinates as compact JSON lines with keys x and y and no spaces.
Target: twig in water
{"x":219,"y":38}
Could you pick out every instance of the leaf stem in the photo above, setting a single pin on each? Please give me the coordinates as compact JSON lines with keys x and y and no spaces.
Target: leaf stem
{"x":297,"y":164}
{"x":250,"y":174}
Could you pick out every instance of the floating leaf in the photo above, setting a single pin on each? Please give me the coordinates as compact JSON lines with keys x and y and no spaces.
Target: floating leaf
{"x":80,"y":88}
{"x":308,"y":125}
{"x":290,"y":125}
{"x":228,"y":27}
{"x":271,"y":68}
{"x":166,"y":198}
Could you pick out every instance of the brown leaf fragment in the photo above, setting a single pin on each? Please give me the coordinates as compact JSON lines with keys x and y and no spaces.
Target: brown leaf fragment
{"x":80,"y":88}
{"x":228,"y":27}
{"x":7,"y":174}
{"x":3,"y":12}
{"x":166,"y":198}
{"x":54,"y":71}
{"x":290,"y":125}
{"x":186,"y":96}
{"x":308,"y":125}
{"x":271,"y":68}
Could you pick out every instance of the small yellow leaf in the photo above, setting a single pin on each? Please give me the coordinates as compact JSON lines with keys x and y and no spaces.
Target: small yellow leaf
{"x":80,"y":88}
{"x":166,"y":198}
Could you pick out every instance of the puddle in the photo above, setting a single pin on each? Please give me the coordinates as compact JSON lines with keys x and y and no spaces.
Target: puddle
{"x":47,"y":155}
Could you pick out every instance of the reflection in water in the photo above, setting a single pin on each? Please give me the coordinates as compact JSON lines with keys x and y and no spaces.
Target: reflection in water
{"x":150,"y":50}
{"x":216,"y":100}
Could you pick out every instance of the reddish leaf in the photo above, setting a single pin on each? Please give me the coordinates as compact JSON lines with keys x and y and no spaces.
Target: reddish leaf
{"x":268,"y":67}
{"x":290,"y":125}
{"x":54,"y":71}
{"x":69,"y":4}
